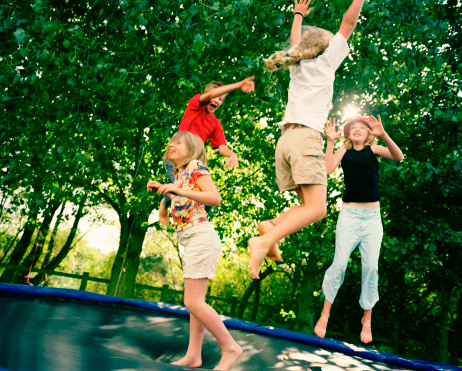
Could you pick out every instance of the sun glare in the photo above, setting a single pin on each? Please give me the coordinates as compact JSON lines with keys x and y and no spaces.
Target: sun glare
{"x":350,"y":112}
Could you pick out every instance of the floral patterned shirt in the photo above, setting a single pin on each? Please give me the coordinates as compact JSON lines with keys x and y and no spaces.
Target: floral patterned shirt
{"x":187,"y":212}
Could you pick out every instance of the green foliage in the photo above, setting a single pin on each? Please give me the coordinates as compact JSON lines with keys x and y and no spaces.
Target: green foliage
{"x":92,"y":92}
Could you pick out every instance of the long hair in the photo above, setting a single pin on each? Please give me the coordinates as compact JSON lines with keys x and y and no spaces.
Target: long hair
{"x":194,"y":146}
{"x":313,"y":42}
{"x":347,"y":143}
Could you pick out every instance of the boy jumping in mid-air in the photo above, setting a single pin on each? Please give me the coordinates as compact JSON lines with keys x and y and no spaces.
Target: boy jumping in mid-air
{"x":199,"y":119}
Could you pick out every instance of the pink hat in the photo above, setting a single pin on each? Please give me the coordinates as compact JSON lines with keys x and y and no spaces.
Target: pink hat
{"x":364,"y":120}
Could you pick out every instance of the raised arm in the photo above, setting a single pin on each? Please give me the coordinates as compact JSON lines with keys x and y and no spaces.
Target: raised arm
{"x":350,"y":18}
{"x":247,"y":86}
{"x":332,"y":160}
{"x":391,"y":151}
{"x":296,"y":31}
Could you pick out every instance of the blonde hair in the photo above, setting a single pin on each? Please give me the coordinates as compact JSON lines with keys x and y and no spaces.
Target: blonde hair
{"x":348,"y":144}
{"x":212,"y":85}
{"x":195,"y":149}
{"x":312,"y":43}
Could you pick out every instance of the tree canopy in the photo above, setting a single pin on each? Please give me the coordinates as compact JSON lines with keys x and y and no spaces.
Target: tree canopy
{"x":92,"y":91}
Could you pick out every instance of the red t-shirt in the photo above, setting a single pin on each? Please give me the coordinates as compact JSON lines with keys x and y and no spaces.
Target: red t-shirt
{"x":198,"y":121}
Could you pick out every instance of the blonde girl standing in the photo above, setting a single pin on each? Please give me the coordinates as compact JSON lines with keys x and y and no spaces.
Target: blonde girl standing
{"x":359,"y":223}
{"x":192,"y":190}
{"x":313,"y":58}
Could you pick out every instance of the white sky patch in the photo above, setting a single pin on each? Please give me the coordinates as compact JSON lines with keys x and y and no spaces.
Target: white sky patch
{"x":98,"y":235}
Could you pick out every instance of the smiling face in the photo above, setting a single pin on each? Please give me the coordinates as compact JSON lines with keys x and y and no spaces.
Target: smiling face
{"x":184,"y":147}
{"x":177,"y":151}
{"x":215,"y":103}
{"x":358,"y":132}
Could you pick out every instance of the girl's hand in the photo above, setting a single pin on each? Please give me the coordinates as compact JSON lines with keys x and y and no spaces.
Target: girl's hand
{"x":169,"y":188}
{"x":248,"y":85}
{"x":153,"y":185}
{"x":377,"y":129}
{"x":330,"y":130}
{"x":302,"y":6}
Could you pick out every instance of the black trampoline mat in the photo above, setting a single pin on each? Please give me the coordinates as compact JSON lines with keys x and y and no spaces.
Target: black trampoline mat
{"x":38,"y":333}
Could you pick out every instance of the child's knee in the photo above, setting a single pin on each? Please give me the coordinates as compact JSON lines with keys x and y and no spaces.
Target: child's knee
{"x":192,"y":304}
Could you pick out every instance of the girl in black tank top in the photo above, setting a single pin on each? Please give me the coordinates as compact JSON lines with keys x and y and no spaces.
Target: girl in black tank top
{"x":359,"y":223}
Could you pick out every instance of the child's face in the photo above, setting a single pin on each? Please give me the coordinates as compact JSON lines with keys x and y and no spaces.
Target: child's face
{"x":177,"y":151}
{"x":215,"y":103}
{"x":359,"y":132}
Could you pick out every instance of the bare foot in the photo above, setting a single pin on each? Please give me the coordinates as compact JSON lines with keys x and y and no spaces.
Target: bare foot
{"x":274,"y":253}
{"x":257,"y":256}
{"x":229,"y":358}
{"x":189,"y":362}
{"x":163,"y":214}
{"x":366,"y":332}
{"x":321,"y":326}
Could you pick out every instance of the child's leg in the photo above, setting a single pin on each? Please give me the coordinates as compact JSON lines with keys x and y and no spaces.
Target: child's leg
{"x":313,"y":209}
{"x":196,"y":335}
{"x":274,"y":253}
{"x":370,"y":252}
{"x":366,"y":332}
{"x":194,"y":299}
{"x":347,"y":235}
{"x":321,"y":325}
{"x":369,"y":247}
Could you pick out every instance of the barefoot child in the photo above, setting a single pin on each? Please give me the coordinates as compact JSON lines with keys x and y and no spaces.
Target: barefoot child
{"x":359,"y":222}
{"x":200,"y":120}
{"x":193,"y":189}
{"x":313,"y":58}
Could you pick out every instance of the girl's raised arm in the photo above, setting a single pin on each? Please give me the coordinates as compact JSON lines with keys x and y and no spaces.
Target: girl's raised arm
{"x":300,"y":11}
{"x":350,"y":19}
{"x":391,"y":151}
{"x":332,"y":160}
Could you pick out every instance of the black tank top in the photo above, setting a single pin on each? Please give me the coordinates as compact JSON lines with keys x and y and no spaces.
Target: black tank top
{"x":361,"y":175}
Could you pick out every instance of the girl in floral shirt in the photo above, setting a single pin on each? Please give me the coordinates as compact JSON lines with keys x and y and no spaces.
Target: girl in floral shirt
{"x":192,"y":190}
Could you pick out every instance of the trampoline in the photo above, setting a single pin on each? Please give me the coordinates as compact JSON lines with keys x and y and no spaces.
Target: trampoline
{"x":61,"y":329}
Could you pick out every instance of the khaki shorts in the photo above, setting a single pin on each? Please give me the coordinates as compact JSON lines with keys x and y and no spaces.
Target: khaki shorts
{"x":201,"y":250}
{"x":300,"y":158}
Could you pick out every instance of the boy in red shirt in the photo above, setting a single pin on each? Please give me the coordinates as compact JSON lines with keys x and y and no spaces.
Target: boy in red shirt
{"x":200,"y":120}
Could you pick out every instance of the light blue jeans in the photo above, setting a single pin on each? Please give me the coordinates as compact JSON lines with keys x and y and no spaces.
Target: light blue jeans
{"x":363,"y":228}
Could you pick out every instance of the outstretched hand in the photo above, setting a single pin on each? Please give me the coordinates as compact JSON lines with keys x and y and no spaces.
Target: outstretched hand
{"x":376,"y":126}
{"x":248,"y":85}
{"x":152,"y":185}
{"x":302,"y":6}
{"x":330,"y":130}
{"x":232,"y":162}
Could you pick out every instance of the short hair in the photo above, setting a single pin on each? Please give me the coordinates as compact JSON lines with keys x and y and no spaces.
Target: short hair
{"x":347,"y":143}
{"x":194,"y":145}
{"x":212,"y":85}
{"x":313,"y":42}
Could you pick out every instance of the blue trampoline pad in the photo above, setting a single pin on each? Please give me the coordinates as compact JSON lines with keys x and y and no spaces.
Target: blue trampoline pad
{"x":39,"y":330}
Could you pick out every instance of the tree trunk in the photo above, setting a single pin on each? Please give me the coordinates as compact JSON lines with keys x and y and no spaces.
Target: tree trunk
{"x":37,"y":249}
{"x":306,"y":313}
{"x":66,"y":247}
{"x":10,"y":244}
{"x":250,"y":289}
{"x":20,"y":249}
{"x":456,"y":340}
{"x":125,"y":268}
{"x":431,"y":344}
{"x":443,"y":335}
{"x":51,"y":243}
